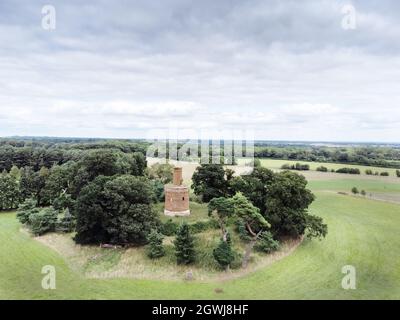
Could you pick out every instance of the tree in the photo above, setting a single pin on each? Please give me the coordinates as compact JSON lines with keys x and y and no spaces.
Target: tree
{"x":287,"y":202}
{"x":43,"y":221}
{"x":354,"y":190}
{"x":25,"y":209}
{"x":398,"y":173}
{"x":209,"y":182}
{"x":283,"y":199}
{"x":221,"y":209}
{"x":27,"y":188}
{"x":184,"y":245}
{"x":155,"y":249}
{"x":254,"y":222}
{"x":363,"y":193}
{"x":9,"y":192}
{"x":162,"y":172}
{"x":223,"y":254}
{"x":267,"y":243}
{"x":66,"y":223}
{"x":115,"y":210}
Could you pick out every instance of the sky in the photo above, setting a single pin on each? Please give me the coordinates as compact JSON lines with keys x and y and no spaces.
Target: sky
{"x":278,"y":70}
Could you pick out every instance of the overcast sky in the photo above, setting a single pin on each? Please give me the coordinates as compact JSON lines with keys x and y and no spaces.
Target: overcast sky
{"x":287,"y":70}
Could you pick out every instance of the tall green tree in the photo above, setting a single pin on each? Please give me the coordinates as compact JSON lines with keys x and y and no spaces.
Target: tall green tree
{"x":223,"y":254}
{"x":115,"y":210}
{"x":252,"y":219}
{"x":9,"y":192}
{"x":209,"y":181}
{"x":156,"y":248}
{"x":184,"y":245}
{"x":221,"y":209}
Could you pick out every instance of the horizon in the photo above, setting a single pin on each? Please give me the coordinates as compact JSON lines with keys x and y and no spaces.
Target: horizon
{"x":16,"y":137}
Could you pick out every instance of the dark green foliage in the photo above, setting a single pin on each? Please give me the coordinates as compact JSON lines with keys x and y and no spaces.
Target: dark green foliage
{"x":25,"y":209}
{"x":322,"y":169}
{"x":209,"y":181}
{"x":398,"y":173}
{"x":184,"y":245}
{"x":43,"y":221}
{"x":169,"y":228}
{"x":66,"y":223}
{"x":267,"y":243}
{"x":9,"y":192}
{"x":315,"y":227}
{"x":201,"y":226}
{"x":158,"y":190}
{"x":115,"y":210}
{"x":363,"y":193}
{"x":297,"y":166}
{"x":349,"y":170}
{"x":27,"y":187}
{"x":155,"y":248}
{"x":287,"y":203}
{"x":223,"y":254}
{"x":354,"y":190}
{"x":283,"y":199}
{"x":369,"y":172}
{"x":384,"y":174}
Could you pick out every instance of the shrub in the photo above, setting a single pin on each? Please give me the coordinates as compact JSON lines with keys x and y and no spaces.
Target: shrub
{"x":354,"y":190}
{"x":349,"y":170}
{"x":43,"y":221}
{"x":369,"y":172}
{"x":398,"y":173}
{"x":66,"y":223}
{"x":201,"y":226}
{"x":25,"y":209}
{"x":363,"y":193}
{"x":169,"y":228}
{"x":286,"y":166}
{"x":223,"y":254}
{"x":384,"y":174}
{"x":302,"y":167}
{"x":184,"y":245}
{"x":155,"y":249}
{"x":267,"y":243}
{"x":322,"y":169}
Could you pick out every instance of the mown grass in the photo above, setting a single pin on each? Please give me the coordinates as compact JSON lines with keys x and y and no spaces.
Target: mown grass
{"x":362,"y":232}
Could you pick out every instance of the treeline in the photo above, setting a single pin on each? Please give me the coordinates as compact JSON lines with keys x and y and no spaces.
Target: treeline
{"x":369,"y":156}
{"x":48,"y":152}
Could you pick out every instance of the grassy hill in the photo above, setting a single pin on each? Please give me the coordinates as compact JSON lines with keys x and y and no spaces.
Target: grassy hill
{"x":362,"y":232}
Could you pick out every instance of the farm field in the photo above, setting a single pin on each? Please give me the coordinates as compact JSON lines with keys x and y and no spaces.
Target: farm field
{"x":362,"y":232}
{"x":277,"y":164}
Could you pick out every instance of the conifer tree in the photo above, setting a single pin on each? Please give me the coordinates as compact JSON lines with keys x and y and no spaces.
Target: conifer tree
{"x":156,"y":248}
{"x":184,"y":245}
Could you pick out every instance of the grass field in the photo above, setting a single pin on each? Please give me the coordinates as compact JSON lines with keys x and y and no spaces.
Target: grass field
{"x":362,"y":232}
{"x":277,"y":164}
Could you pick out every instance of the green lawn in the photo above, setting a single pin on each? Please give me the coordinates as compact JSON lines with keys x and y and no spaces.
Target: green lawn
{"x":362,"y":232}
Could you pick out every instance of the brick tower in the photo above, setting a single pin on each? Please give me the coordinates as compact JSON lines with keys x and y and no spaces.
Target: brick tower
{"x":177,"y":196}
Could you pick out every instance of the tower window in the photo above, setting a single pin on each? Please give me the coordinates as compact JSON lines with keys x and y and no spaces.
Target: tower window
{"x":183,"y":198}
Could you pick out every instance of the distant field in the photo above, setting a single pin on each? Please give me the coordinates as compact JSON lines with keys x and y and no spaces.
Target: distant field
{"x":277,"y":164}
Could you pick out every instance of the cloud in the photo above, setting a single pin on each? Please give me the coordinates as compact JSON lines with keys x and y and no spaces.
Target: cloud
{"x":121,"y":69}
